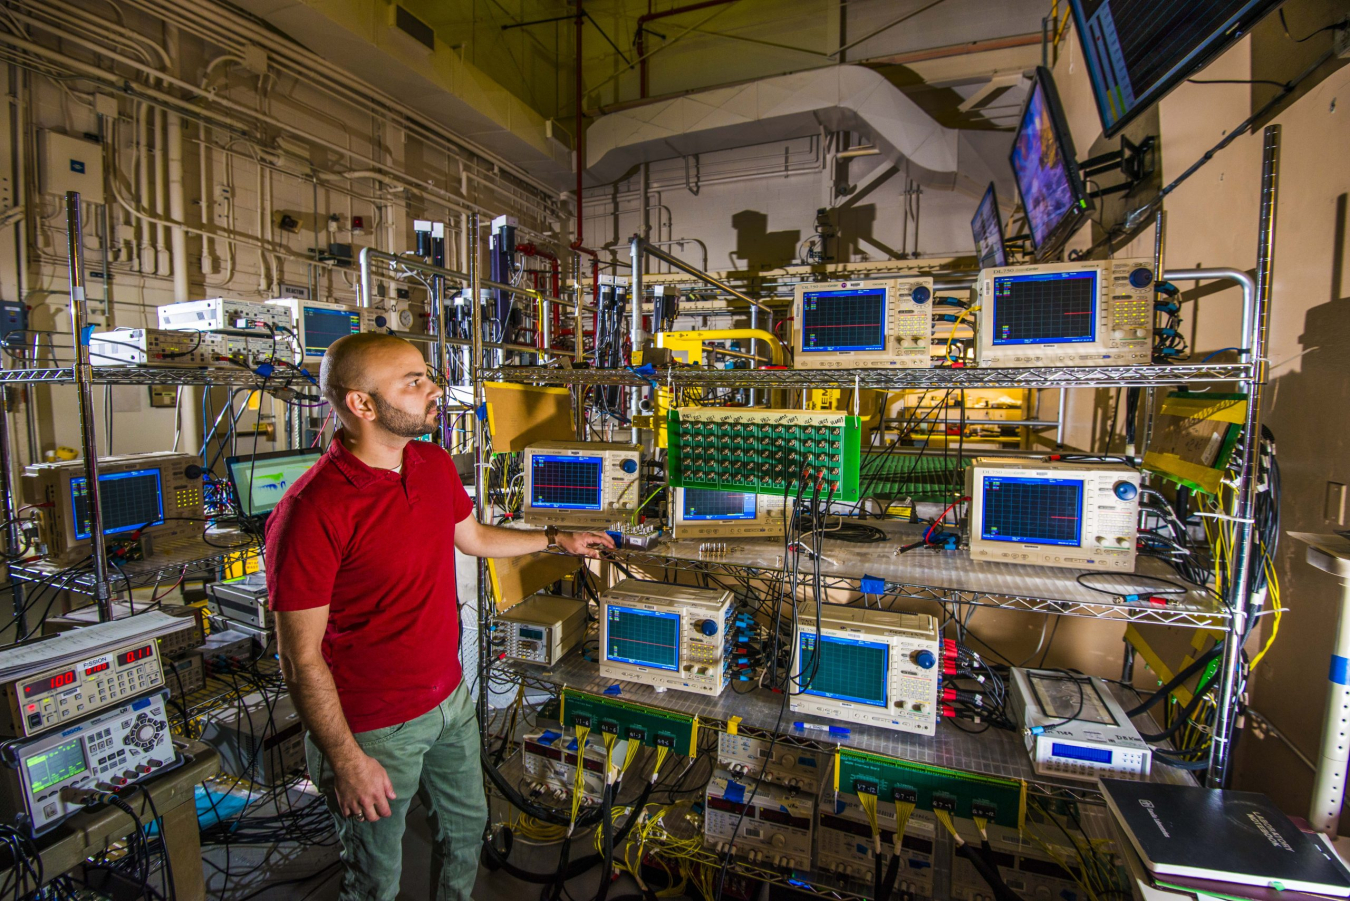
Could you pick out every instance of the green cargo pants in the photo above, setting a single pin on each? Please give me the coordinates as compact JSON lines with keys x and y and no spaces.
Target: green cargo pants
{"x":436,"y":757}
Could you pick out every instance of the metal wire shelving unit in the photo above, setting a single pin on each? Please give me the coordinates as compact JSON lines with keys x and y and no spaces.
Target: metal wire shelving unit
{"x":1197,"y":609}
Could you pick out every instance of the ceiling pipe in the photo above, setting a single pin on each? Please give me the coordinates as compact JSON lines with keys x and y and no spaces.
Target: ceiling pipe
{"x":580,"y":139}
{"x":648,"y":17}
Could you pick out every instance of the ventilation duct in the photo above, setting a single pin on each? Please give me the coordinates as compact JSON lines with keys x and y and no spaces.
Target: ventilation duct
{"x":839,"y":98}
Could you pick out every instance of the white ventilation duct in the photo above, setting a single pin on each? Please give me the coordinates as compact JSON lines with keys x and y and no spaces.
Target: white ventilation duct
{"x":840,"y":98}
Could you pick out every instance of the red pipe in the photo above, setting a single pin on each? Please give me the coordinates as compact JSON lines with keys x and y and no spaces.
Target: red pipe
{"x":530,"y":250}
{"x":647,"y":17}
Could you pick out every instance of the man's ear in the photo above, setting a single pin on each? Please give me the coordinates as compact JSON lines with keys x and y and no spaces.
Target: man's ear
{"x":360,"y":405}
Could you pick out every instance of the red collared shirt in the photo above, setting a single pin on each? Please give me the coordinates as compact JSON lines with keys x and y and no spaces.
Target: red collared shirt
{"x":378,"y":549}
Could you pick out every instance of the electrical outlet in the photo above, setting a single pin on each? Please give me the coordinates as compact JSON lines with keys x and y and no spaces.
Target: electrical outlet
{"x":1335,"y":506}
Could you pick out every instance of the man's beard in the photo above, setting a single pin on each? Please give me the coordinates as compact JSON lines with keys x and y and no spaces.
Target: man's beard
{"x":400,"y":422}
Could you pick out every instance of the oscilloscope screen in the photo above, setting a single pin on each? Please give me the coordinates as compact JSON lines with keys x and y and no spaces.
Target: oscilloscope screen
{"x":642,"y":637}
{"x":129,"y":500}
{"x":1032,"y":510}
{"x":849,"y":670}
{"x":1045,"y":308}
{"x":702,"y":504}
{"x":562,"y":482}
{"x":843,"y":320}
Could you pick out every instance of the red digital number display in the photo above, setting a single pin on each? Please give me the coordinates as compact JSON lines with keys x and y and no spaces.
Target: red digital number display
{"x":42,"y":686}
{"x":133,"y":656}
{"x":97,"y":668}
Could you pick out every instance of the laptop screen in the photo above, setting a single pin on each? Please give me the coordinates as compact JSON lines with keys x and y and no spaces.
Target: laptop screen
{"x":261,"y":480}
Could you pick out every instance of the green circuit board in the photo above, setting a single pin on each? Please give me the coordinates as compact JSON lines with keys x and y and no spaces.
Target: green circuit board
{"x":651,"y":726}
{"x":967,"y":795}
{"x":764,"y":451}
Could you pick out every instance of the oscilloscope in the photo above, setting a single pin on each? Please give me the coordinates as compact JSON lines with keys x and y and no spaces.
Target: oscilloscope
{"x":1066,"y":314}
{"x":1053,"y":513}
{"x":880,"y":323}
{"x":149,"y":495}
{"x":876,"y":667}
{"x":580,"y":482}
{"x":666,"y":636}
{"x":702,"y":512}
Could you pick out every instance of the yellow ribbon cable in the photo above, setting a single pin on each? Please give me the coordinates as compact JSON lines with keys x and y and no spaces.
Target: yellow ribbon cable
{"x":869,"y":806}
{"x":661,"y":753}
{"x":982,"y":824}
{"x":945,"y":818}
{"x":903,"y":811}
{"x":579,"y":781}
{"x":633,"y":747}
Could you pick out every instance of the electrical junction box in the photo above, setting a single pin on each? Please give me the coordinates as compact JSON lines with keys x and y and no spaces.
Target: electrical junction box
{"x":71,"y":164}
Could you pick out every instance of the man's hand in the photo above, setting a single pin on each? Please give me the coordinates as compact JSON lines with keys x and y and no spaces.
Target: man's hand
{"x":363,"y":788}
{"x":584,"y":544}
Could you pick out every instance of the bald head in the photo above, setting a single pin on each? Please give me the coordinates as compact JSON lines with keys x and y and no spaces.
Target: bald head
{"x":368,"y":363}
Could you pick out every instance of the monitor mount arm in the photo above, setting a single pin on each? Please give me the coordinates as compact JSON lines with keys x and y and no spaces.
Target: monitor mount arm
{"x":1134,"y":162}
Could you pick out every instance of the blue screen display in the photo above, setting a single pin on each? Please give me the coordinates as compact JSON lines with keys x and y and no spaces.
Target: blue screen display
{"x":1045,"y":308}
{"x":1040,"y":169}
{"x":987,"y":227}
{"x":565,"y":482}
{"x":702,"y":505}
{"x":849,"y":670}
{"x":1032,"y":510}
{"x":843,"y":319}
{"x":323,"y":326}
{"x":642,"y":637}
{"x":1074,"y":752}
{"x":129,"y":500}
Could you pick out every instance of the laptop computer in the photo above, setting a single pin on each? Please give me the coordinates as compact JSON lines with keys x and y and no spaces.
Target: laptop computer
{"x":261,"y":480}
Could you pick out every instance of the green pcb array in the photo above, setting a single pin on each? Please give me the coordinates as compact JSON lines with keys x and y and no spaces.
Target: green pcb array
{"x":650,"y":726}
{"x":765,"y":451}
{"x":966,"y":795}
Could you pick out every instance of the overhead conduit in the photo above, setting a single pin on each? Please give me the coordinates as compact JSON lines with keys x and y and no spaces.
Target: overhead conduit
{"x":840,"y":98}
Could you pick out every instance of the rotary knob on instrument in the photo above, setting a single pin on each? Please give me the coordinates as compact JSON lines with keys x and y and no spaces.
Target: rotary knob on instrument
{"x":925,"y":659}
{"x":708,"y":627}
{"x":1126,"y":491}
{"x":778,"y":841}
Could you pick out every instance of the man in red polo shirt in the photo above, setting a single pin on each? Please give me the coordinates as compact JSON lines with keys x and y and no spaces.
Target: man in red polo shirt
{"x":361,"y":577}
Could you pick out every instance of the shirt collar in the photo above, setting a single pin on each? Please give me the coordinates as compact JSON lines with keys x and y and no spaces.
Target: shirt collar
{"x":361,"y":474}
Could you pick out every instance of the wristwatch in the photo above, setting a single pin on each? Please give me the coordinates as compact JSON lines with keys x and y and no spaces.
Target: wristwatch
{"x":551,"y":533}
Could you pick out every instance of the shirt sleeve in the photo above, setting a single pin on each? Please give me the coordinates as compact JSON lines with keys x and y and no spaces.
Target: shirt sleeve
{"x":304,"y":551}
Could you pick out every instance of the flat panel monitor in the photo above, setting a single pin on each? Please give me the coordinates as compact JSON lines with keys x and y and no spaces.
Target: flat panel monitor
{"x":321,"y":325}
{"x":1045,"y":169}
{"x":642,"y":637}
{"x":565,"y":481}
{"x":987,"y":227}
{"x":1032,"y":510}
{"x":849,"y":669}
{"x":261,"y":480}
{"x":129,"y":500}
{"x":1138,"y":50}
{"x":1045,"y":308}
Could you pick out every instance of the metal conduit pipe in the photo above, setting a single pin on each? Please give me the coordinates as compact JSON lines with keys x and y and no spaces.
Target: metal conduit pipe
{"x":1233,"y":275}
